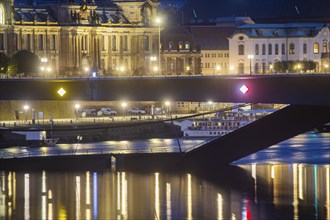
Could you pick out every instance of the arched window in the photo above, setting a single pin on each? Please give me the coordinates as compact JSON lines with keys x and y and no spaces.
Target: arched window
{"x":256,"y":49}
{"x":291,"y":48}
{"x":170,"y":45}
{"x":316,"y":48}
{"x":180,"y":45}
{"x":256,"y":67}
{"x":325,"y":49}
{"x":187,"y":46}
{"x":241,"y":49}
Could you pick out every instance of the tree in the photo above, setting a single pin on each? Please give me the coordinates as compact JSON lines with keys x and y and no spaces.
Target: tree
{"x":4,"y":62}
{"x":27,"y":62}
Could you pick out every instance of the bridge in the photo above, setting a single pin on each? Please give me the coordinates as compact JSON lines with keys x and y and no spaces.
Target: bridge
{"x":285,"y":89}
{"x":308,"y":96}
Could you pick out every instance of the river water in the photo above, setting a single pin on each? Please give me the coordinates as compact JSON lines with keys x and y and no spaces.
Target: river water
{"x":290,"y":180}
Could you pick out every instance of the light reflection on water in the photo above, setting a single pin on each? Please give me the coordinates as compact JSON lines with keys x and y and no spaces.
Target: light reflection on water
{"x":288,"y":181}
{"x":297,"y":191}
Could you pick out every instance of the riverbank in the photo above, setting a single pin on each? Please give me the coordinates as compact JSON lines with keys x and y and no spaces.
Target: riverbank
{"x":95,"y":132}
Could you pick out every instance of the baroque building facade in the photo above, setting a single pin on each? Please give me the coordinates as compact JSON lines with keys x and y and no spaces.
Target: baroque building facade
{"x":107,"y":37}
{"x":255,"y":48}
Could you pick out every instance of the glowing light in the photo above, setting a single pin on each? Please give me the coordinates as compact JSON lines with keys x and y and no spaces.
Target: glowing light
{"x":77,"y":197}
{"x":26,"y":107}
{"x":168,"y":201}
{"x":189,"y":198}
{"x":157,"y":205}
{"x":244,"y":89}
{"x":220,"y":206}
{"x":95,"y":204}
{"x":61,"y":92}
{"x":26,"y":196}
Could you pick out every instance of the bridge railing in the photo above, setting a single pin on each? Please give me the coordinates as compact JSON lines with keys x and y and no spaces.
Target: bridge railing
{"x":73,"y":152}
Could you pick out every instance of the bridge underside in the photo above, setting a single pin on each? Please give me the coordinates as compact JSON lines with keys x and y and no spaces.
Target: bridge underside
{"x":267,"y":131}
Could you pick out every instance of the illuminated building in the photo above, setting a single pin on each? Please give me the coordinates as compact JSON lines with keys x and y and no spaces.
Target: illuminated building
{"x":107,"y":37}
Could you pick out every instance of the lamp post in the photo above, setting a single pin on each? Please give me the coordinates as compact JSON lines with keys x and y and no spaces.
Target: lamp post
{"x":326,"y":66}
{"x":76,"y":107}
{"x":158,"y":22}
{"x":43,"y":67}
{"x":124,"y":104}
{"x":26,"y":108}
{"x":168,"y":108}
{"x":250,"y":57}
{"x":217,"y":69}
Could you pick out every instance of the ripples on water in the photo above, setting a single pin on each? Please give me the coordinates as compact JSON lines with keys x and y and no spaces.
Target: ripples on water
{"x":288,"y":181}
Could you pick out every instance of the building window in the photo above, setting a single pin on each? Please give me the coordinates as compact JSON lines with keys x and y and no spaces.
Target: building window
{"x":325,"y":49}
{"x":256,"y":49}
{"x":40,"y":42}
{"x":270,"y":49}
{"x":263,"y":49}
{"x":146,"y":43}
{"x":241,"y":68}
{"x":180,"y":45}
{"x":123,"y":43}
{"x":16,"y":39}
{"x":2,"y":41}
{"x":291,"y":48}
{"x":170,"y":45}
{"x":283,"y":49}
{"x":256,"y":68}
{"x":187,"y":46}
{"x":316,"y":48}
{"x":241,"y":49}
{"x":263,"y":67}
{"x":53,"y":42}
{"x":114,"y":43}
{"x":276,"y":49}
{"x":305,"y":48}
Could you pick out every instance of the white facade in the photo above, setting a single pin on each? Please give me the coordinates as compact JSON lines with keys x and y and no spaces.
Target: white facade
{"x":255,"y":48}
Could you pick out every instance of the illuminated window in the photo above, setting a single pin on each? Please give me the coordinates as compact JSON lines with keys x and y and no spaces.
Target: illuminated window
{"x":291,"y":48}
{"x":241,"y":49}
{"x":180,"y":45}
{"x":187,"y":46}
{"x":324,"y":50}
{"x":316,"y":48}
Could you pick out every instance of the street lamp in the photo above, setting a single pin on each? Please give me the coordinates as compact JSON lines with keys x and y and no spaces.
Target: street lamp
{"x":26,"y":108}
{"x":250,"y":57}
{"x":210,"y":104}
{"x":168,"y":107}
{"x":271,"y":67}
{"x":158,"y":22}
{"x":43,"y":67}
{"x":124,"y":104}
{"x":217,"y":69}
{"x":77,"y":107}
{"x":326,"y":66}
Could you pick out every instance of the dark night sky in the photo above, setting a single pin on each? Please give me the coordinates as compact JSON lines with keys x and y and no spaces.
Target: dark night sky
{"x":256,"y":9}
